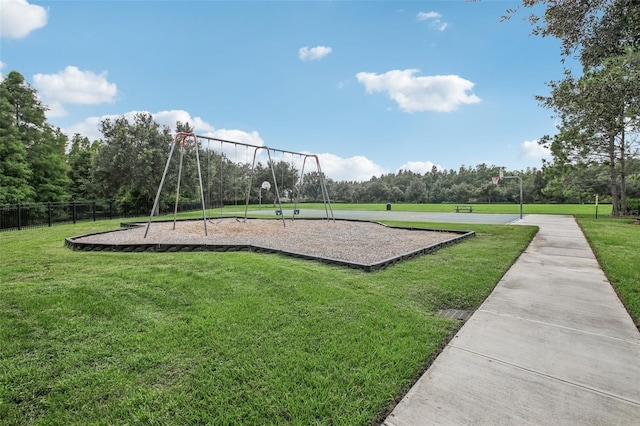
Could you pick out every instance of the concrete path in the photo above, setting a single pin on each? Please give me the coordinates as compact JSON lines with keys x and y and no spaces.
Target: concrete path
{"x":552,"y":345}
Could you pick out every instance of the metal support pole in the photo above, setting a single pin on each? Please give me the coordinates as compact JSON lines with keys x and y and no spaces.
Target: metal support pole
{"x":204,"y":211}
{"x":325,"y":191}
{"x":323,"y":187}
{"x":517,"y":177}
{"x":273,"y":173}
{"x":175,"y":207}
{"x":253,"y":165}
{"x":164,"y":175}
{"x":521,"y":196}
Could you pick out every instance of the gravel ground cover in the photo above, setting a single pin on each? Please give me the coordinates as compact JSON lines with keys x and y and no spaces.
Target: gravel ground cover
{"x":351,"y":242}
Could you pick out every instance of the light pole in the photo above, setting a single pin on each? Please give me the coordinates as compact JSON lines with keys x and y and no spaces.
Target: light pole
{"x":498,"y":178}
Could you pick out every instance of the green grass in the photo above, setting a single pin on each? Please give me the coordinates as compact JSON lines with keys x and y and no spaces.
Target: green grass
{"x":616,"y":243}
{"x":571,"y":209}
{"x":224,"y":338}
{"x":586,"y":210}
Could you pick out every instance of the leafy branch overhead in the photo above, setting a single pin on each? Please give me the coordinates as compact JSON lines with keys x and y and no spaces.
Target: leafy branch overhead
{"x":599,"y":118}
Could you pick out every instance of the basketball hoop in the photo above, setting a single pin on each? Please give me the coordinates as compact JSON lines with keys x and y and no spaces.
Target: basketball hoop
{"x":495,"y":179}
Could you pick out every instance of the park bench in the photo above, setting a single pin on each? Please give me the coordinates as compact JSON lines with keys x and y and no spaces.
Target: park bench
{"x":468,"y":209}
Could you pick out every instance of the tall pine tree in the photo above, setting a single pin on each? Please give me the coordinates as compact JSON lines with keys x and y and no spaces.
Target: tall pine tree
{"x":14,"y":169}
{"x":44,"y":146}
{"x":80,"y":159}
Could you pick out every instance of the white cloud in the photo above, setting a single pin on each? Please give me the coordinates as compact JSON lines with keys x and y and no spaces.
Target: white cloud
{"x":235,"y":135}
{"x":237,"y":154}
{"x":56,"y":109}
{"x":73,"y":86}
{"x":18,"y":18}
{"x":420,"y":167}
{"x":91,"y":125}
{"x":357,"y":168}
{"x":171,"y":117}
{"x":433,"y":19}
{"x":443,"y":93}
{"x":313,"y":53}
{"x":440,"y":26}
{"x":424,"y":16}
{"x":532,"y":150}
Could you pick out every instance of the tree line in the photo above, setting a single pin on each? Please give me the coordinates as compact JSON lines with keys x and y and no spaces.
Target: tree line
{"x":126,"y":165}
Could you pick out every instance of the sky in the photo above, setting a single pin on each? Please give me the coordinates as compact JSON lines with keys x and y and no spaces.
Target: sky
{"x":372,"y":87}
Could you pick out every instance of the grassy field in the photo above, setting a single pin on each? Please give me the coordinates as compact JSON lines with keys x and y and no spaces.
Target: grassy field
{"x":236,"y":338}
{"x":616,"y":241}
{"x":572,"y":209}
{"x":224,"y":338}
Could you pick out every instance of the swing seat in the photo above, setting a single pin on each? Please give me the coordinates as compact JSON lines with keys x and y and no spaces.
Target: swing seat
{"x":296,"y":212}
{"x":278,"y":212}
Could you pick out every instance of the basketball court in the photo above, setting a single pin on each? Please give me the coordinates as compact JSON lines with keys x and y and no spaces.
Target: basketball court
{"x":472,"y":218}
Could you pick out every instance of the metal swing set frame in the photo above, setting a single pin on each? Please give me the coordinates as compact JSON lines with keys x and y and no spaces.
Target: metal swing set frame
{"x":184,"y":137}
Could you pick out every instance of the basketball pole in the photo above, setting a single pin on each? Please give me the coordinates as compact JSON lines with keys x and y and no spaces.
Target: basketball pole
{"x":520,"y":179}
{"x":501,"y":176}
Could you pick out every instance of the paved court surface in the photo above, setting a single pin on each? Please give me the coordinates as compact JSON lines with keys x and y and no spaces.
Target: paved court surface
{"x":552,"y":345}
{"x":400,"y":216}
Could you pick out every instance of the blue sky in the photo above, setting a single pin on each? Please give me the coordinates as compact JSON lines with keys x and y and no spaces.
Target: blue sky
{"x":371,"y":86}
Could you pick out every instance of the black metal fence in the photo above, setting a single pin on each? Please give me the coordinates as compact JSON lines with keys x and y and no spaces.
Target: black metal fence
{"x":14,"y":217}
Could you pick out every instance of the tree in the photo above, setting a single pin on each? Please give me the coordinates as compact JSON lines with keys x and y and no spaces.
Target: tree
{"x":80,"y":159}
{"x":593,"y":30}
{"x":598,"y":109}
{"x":48,"y":163}
{"x":417,"y":191}
{"x":344,"y":192}
{"x":574,"y":182}
{"x":311,"y":188}
{"x":131,"y":160}
{"x":14,"y":169}
{"x":44,"y":146}
{"x":595,"y":112}
{"x":396,"y":194}
{"x":378,"y":191}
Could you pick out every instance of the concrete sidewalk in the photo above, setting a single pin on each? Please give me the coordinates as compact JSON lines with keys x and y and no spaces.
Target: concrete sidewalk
{"x":552,"y":345}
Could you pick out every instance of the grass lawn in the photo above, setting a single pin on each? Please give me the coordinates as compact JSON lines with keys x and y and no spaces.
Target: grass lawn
{"x":512,"y":208}
{"x":224,"y":338}
{"x":616,"y":243}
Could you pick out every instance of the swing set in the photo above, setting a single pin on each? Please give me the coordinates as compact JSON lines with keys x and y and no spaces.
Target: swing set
{"x":183,"y":138}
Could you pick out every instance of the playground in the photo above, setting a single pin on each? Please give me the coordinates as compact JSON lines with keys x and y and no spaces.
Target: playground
{"x":364,"y":245}
{"x":354,"y":242}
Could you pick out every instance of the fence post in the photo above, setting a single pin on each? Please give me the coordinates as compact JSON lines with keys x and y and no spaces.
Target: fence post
{"x":74,"y":211}
{"x":19,"y":216}
{"x":49,"y":214}
{"x":94,"y":211}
